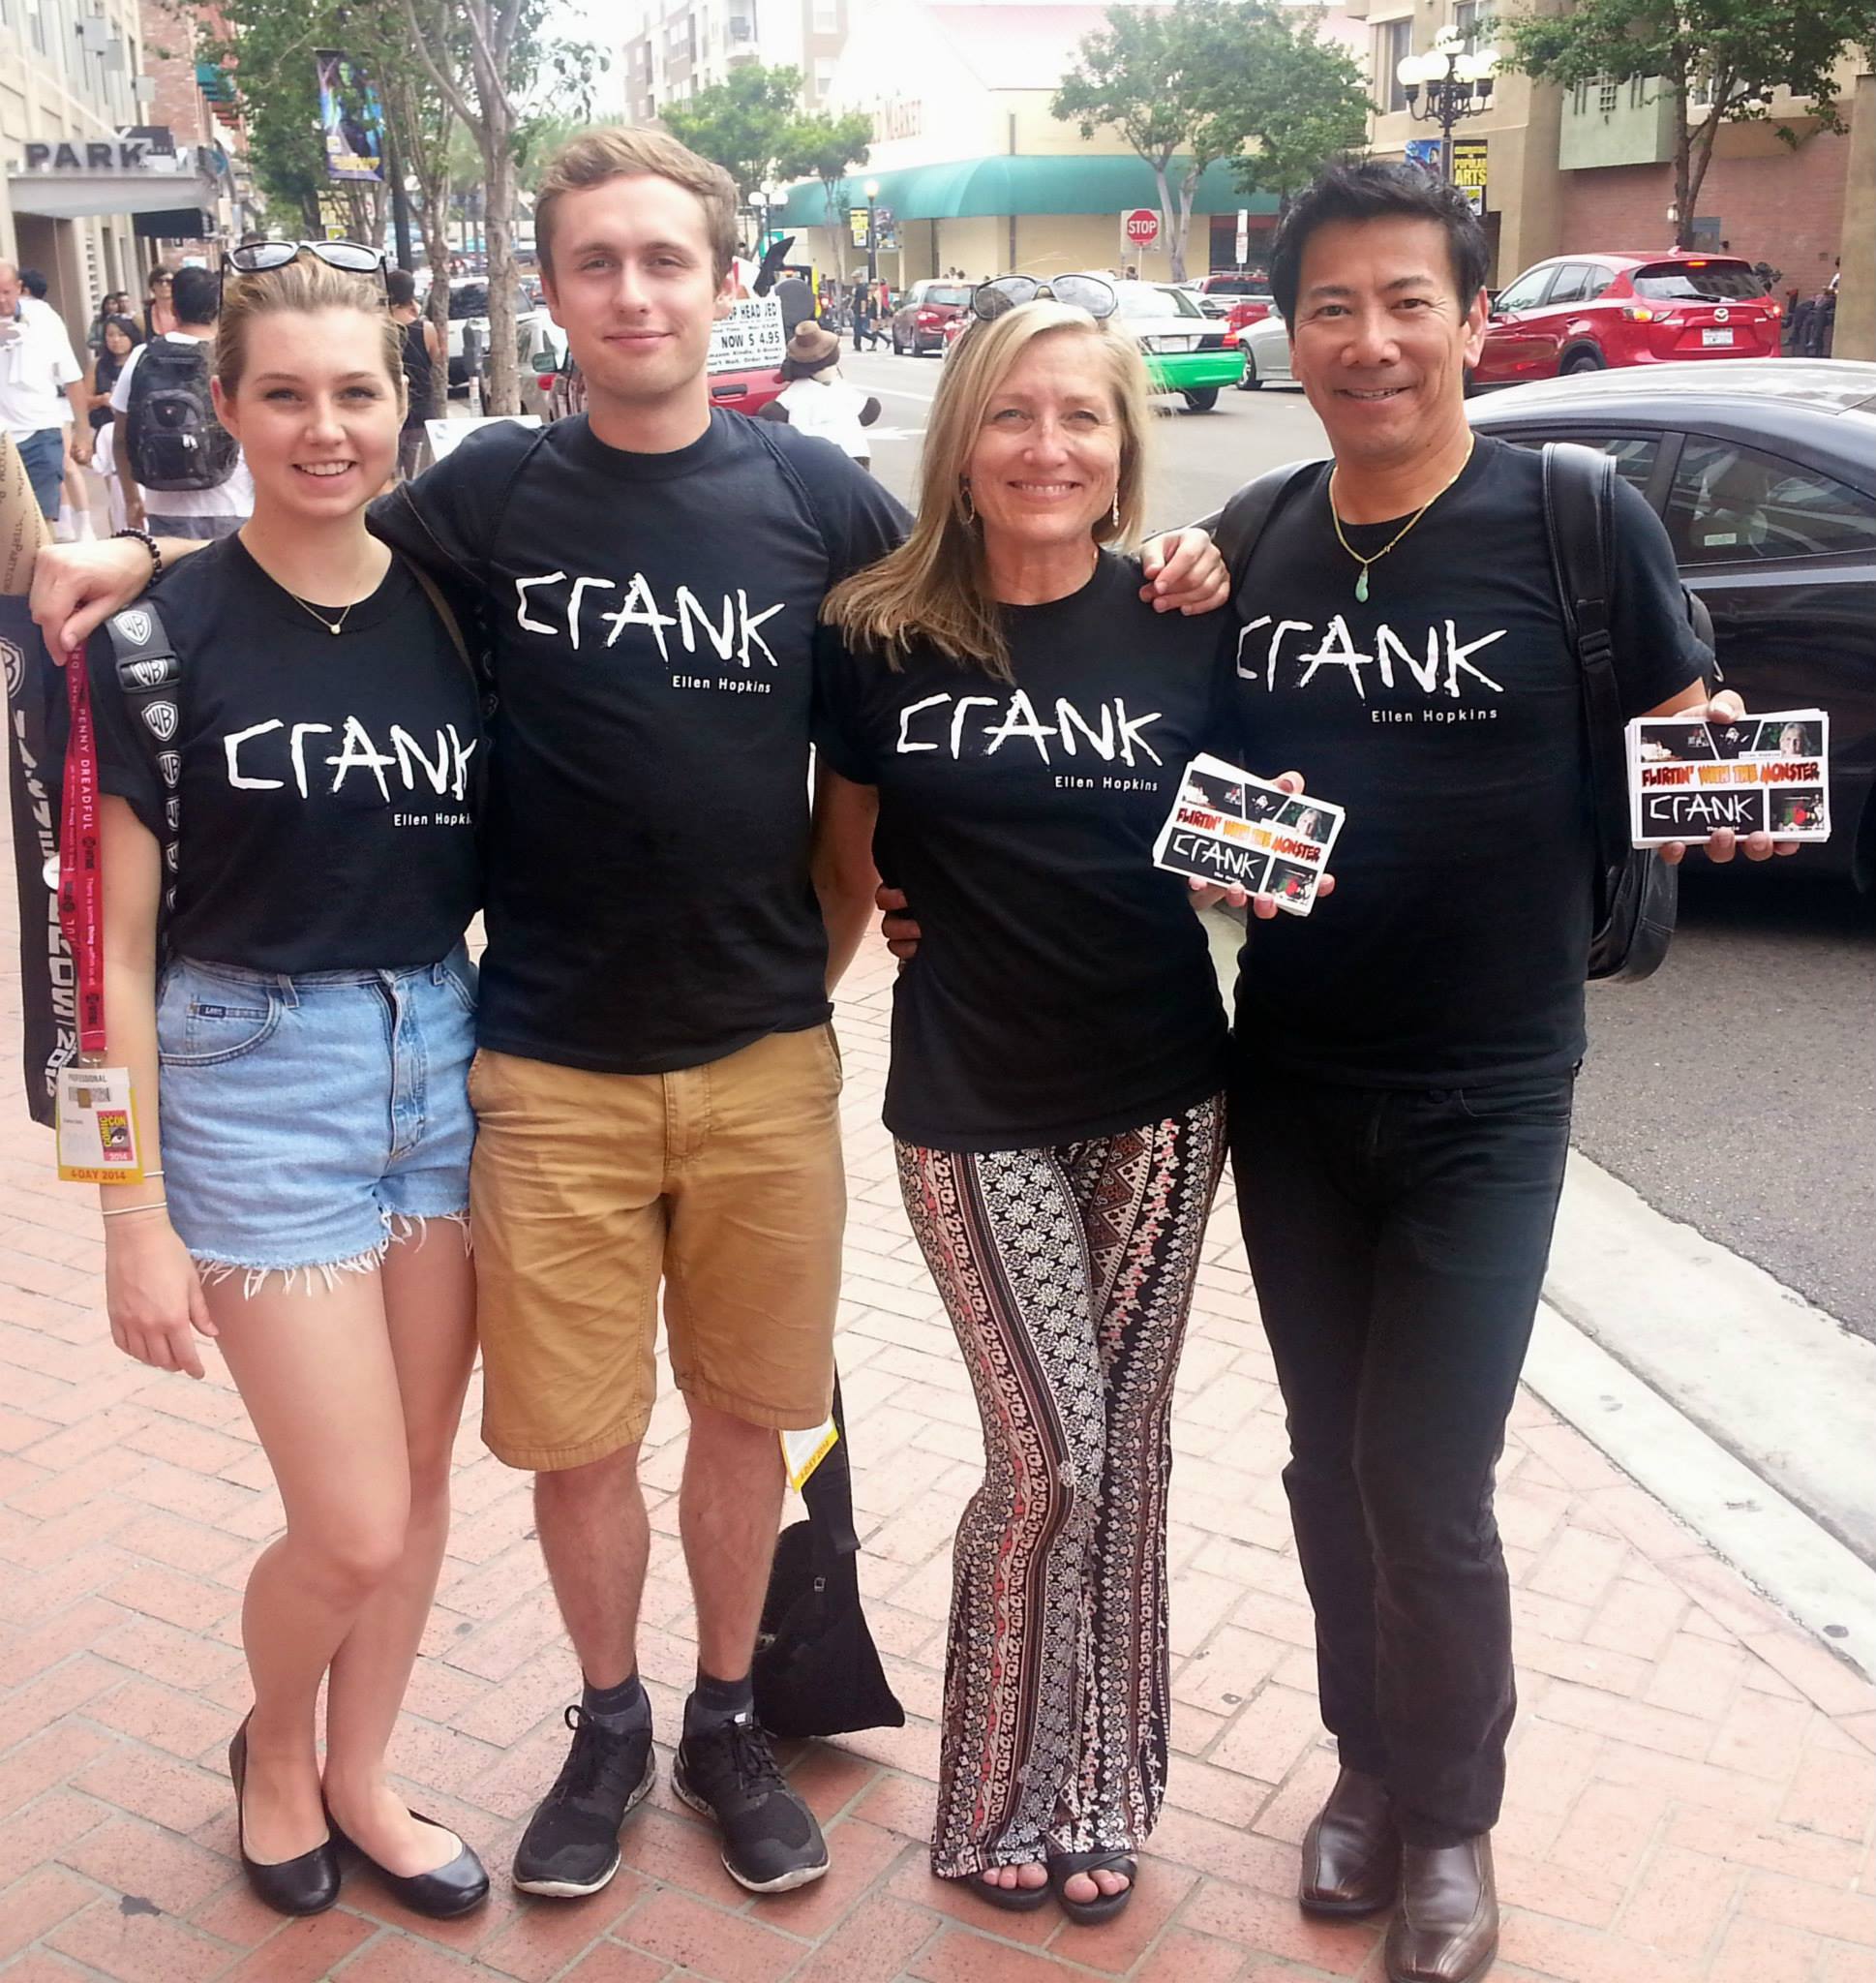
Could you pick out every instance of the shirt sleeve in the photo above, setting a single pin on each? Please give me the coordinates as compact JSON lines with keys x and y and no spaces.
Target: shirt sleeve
{"x":1657,"y":654}
{"x":120,"y":393}
{"x":125,"y":766}
{"x":859,"y":518}
{"x":838,"y":725}
{"x":445,"y":520}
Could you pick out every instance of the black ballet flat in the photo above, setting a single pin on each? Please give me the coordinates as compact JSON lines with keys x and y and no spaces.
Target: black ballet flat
{"x":306,"y":1886}
{"x":450,"y":1890}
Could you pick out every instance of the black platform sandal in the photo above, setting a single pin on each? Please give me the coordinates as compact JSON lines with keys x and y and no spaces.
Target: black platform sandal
{"x":1013,"y":1899}
{"x":1064,"y":1866}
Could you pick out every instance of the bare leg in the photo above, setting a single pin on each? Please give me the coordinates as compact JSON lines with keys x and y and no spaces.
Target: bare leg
{"x":597,"y":1541}
{"x":429,"y":1312}
{"x":728,"y":1511}
{"x":315,"y":1371}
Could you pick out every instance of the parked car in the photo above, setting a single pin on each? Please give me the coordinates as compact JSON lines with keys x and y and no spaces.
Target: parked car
{"x":1582,"y":313}
{"x":917,"y":325}
{"x":1185,"y":349}
{"x":1765,"y":473}
{"x":553,"y":386}
{"x":468,"y":327}
{"x":1266,"y":346}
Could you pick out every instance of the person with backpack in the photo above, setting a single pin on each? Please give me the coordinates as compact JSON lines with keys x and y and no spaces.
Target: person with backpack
{"x":182,"y":469}
{"x":294,"y":702}
{"x":657,"y":1086}
{"x":1402,"y":1071}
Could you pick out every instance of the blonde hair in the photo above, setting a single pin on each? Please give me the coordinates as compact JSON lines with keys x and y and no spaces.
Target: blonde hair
{"x":935,"y":587}
{"x":614,"y":152}
{"x":299,"y":288}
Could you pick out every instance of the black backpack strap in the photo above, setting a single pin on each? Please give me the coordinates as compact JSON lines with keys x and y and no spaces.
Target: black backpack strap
{"x":1579,"y":523}
{"x":447,"y":613}
{"x":828,"y":1494}
{"x":806,"y":471}
{"x":149,"y":678}
{"x":1242,"y":520}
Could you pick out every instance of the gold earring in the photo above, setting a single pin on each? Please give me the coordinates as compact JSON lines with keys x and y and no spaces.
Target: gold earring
{"x":964,"y":497}
{"x":1116,"y":511}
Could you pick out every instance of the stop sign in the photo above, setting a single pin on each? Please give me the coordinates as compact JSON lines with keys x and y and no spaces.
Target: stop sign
{"x":1142,"y":227}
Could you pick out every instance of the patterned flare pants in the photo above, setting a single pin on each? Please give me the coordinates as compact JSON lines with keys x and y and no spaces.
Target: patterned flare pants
{"x":1068,"y":1275}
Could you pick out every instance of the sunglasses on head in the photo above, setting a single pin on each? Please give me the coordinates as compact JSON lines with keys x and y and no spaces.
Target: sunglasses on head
{"x":1085,"y":292}
{"x":259,"y":257}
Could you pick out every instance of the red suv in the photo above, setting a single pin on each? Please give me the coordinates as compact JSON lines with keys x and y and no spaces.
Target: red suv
{"x":1246,"y":293}
{"x":918,"y":325}
{"x":1577,"y":313}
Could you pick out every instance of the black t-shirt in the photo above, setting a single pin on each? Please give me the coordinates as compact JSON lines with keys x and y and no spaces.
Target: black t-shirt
{"x":1063,"y":987}
{"x":1446,"y":715}
{"x":327,"y":786}
{"x":650,"y":618}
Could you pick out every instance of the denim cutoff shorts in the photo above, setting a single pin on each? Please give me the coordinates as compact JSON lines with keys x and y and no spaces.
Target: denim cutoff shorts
{"x":307,"y":1119}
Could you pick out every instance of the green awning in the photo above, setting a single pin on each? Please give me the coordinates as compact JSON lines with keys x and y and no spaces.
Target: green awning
{"x":1011,"y":184}
{"x":213,"y":80}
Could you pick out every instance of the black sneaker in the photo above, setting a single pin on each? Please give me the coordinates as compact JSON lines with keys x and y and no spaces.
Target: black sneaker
{"x":771,"y":1841}
{"x":571,"y":1844}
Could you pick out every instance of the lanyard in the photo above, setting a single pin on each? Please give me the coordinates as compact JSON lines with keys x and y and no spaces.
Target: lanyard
{"x":81,"y":901}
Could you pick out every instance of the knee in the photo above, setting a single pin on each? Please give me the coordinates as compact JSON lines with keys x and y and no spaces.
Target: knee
{"x":573,"y":1490}
{"x":350,"y":1561}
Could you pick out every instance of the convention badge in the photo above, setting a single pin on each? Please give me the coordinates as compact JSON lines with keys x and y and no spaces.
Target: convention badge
{"x":1234,"y":830}
{"x":1762,"y":773}
{"x":96,"y":1124}
{"x":803,"y":1451}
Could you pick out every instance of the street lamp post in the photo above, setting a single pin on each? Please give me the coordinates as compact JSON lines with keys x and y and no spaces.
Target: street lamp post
{"x":1458,"y":84}
{"x":872,"y":233}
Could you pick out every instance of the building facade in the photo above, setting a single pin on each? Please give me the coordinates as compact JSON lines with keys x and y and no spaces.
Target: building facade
{"x":972,"y":170}
{"x":672,"y":49}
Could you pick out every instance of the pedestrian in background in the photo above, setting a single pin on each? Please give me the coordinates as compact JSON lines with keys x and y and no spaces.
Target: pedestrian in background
{"x":301,"y":1062}
{"x":865,"y":319}
{"x":41,"y":390}
{"x":118,"y":338}
{"x":424,"y":353}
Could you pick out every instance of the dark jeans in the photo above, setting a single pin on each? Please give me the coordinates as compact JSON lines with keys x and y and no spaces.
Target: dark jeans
{"x":1398,"y":1241}
{"x":43,"y":456}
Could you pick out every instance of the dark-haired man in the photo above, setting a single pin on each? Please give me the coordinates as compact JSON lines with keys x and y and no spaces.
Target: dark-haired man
{"x":1412,"y":1055}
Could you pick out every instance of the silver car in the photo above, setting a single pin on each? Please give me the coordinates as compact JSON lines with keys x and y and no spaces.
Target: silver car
{"x":1266,"y":354}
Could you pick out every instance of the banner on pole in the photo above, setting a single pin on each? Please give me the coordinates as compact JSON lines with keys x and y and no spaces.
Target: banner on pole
{"x":351,"y":119}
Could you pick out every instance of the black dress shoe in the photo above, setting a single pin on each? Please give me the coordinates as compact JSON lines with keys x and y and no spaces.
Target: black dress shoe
{"x":306,"y":1886}
{"x":1447,"y":1929}
{"x":1351,"y":1851}
{"x":451,"y":1889}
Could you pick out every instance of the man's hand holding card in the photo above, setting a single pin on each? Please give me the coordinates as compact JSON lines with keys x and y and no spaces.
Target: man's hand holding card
{"x":1249,"y":839}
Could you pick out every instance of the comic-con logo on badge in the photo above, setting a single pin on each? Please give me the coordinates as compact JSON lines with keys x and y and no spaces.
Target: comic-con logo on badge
{"x":160,"y":719}
{"x":14,"y":658}
{"x":134,"y":625}
{"x":170,"y":764}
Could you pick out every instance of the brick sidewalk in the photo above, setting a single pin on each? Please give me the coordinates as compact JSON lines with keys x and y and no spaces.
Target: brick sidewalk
{"x":1692,"y":1780}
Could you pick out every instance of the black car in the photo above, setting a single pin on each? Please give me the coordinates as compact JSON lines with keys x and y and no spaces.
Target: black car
{"x":1765,"y":472}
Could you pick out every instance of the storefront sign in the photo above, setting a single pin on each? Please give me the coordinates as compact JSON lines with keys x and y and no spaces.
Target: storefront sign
{"x":857,"y":225}
{"x":95,"y":155}
{"x":1470,"y":170}
{"x":751,"y":338}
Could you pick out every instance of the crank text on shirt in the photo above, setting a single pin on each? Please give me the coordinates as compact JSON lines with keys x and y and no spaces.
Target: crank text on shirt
{"x":1437,"y":671}
{"x":444,"y":768}
{"x":925,"y":725}
{"x":553,"y":604}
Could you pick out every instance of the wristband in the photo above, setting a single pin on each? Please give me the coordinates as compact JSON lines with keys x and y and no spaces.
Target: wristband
{"x":123,"y":1211}
{"x":149,"y":544}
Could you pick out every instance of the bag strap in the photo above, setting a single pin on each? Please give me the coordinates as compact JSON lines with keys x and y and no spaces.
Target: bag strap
{"x":1242,"y":520}
{"x":149,"y":678}
{"x":829,"y":1496}
{"x":447,"y":613}
{"x":804,"y":480}
{"x":1579,"y":523}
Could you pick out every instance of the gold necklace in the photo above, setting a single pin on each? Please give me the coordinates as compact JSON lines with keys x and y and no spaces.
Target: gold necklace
{"x":337,"y":626}
{"x":1361,"y":582}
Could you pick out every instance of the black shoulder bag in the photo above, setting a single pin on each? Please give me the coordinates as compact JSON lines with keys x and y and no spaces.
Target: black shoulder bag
{"x":817,"y":1671}
{"x":1637,"y":891}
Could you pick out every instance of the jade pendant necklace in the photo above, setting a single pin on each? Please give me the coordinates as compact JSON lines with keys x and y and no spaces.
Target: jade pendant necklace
{"x":1335,"y":517}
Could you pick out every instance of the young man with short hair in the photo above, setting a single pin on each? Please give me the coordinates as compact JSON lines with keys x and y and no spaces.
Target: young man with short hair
{"x":657,"y":1086}
{"x":1401,"y":1104}
{"x":36,"y":366}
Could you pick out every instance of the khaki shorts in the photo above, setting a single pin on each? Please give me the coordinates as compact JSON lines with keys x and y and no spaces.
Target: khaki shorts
{"x":724,"y":1181}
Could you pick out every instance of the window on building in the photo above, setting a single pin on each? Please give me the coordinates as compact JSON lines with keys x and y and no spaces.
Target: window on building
{"x":827,"y":16}
{"x":1700,"y":89}
{"x":1608,"y":95}
{"x":1733,"y":504}
{"x":824,"y":68}
{"x":36,"y":25}
{"x":1466,"y":23}
{"x":1393,"y":40}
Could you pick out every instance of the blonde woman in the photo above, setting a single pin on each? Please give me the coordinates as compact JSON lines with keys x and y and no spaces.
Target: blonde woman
{"x":998,"y":699}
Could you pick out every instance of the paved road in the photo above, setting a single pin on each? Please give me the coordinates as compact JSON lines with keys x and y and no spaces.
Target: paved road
{"x":1737,"y":1089}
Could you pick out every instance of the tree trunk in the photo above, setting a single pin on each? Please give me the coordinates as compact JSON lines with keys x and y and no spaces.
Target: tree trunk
{"x":1166,"y":208}
{"x":499,"y":211}
{"x":1187,"y":189}
{"x":1684,"y":189}
{"x":1700,"y":155}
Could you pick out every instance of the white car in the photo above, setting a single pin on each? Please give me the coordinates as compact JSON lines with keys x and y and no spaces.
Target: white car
{"x":1185,"y":349}
{"x":1266,"y":354}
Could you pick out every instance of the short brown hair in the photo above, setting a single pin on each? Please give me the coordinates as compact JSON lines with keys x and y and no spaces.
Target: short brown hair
{"x":610,"y":151}
{"x":303,"y":285}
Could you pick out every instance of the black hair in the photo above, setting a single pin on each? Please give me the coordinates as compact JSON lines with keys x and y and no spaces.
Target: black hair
{"x":110,"y":364}
{"x":33,"y":283}
{"x":400,"y":287}
{"x":196,"y":295}
{"x":1370,"y":190}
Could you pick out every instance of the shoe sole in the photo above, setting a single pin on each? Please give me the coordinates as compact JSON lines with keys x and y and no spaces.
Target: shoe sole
{"x":578,"y":1890}
{"x":786,"y":1882}
{"x":1344,"y":1911}
{"x":1476,"y":1974}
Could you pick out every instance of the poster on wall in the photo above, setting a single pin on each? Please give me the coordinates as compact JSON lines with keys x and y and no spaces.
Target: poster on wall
{"x":351,"y":119}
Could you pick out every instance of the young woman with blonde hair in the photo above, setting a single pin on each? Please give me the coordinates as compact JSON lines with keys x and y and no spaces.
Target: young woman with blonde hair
{"x":299,"y":1039}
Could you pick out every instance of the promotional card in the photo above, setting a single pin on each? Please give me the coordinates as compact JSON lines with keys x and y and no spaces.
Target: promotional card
{"x":1687,"y":778}
{"x":1237,"y":831}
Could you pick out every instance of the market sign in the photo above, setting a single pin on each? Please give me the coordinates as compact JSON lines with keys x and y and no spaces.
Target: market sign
{"x":1470,"y":170}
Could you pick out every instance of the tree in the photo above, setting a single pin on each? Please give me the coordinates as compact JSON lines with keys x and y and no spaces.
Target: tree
{"x":743,"y":123}
{"x":821,"y":146}
{"x":1716,"y":62}
{"x":1305,"y":105}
